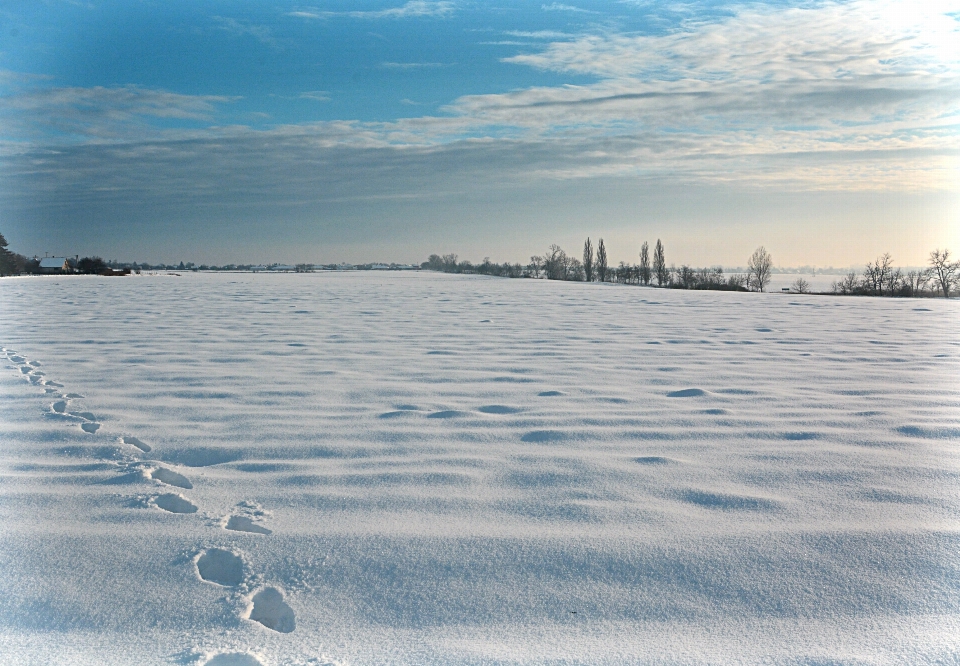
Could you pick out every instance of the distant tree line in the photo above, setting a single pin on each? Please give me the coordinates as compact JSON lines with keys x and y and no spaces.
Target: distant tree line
{"x":879,"y":279}
{"x":12,"y":263}
{"x":594,"y":266}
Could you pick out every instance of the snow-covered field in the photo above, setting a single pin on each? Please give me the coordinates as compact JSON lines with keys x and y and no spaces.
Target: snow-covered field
{"x":373,"y":468}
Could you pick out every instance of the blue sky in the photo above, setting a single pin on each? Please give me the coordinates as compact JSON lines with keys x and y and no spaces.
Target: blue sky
{"x":327,"y":131}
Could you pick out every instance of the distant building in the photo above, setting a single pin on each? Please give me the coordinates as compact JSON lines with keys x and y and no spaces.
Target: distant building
{"x":54,"y":265}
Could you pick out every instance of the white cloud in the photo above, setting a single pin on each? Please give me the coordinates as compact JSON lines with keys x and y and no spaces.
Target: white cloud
{"x":832,"y":40}
{"x":559,"y":7}
{"x":9,"y":77}
{"x":118,"y":113}
{"x":261,"y":33}
{"x":413,"y":8}
{"x":538,"y":34}
{"x":857,"y":96}
{"x":411,"y":65}
{"x":315,"y":95}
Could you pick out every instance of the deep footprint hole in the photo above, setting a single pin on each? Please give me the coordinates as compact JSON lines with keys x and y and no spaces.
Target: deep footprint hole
{"x":270,"y":610}
{"x":221,"y":567}
{"x":174,"y":503}
{"x":171,"y":478}
{"x":245,"y":524}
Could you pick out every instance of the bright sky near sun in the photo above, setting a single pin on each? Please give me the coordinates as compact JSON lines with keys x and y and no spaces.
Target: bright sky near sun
{"x":249,"y":131}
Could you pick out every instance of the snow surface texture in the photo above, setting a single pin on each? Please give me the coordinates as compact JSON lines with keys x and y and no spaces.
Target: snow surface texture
{"x":370,"y":468}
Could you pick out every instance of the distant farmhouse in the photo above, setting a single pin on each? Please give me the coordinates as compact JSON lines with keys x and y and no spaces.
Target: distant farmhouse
{"x":54,"y":265}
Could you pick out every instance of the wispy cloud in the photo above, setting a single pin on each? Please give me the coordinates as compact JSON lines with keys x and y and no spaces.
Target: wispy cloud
{"x":413,"y":8}
{"x":860,"y":95}
{"x":261,"y":33}
{"x":538,"y":34}
{"x":315,"y":95}
{"x":412,"y":65}
{"x":559,"y":7}
{"x":93,"y":114}
{"x":9,"y":77}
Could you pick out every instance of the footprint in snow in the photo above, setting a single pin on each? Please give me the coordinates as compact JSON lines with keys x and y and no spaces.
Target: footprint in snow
{"x":90,"y":428}
{"x":219,"y":566}
{"x":171,"y":478}
{"x":59,"y":407}
{"x":245,"y":519}
{"x":202,"y":456}
{"x":133,"y":441}
{"x":245,"y":524}
{"x":174,"y":503}
{"x":270,"y":610}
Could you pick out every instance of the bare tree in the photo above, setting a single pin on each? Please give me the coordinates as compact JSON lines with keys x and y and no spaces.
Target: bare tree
{"x":895,"y":284}
{"x":760,"y":268}
{"x":944,"y":271}
{"x":877,"y":274}
{"x":588,"y":260}
{"x":601,"y":261}
{"x":574,"y":270}
{"x":847,"y":285}
{"x":555,"y":263}
{"x":660,"y":265}
{"x":801,"y":286}
{"x":645,"y":263}
{"x":536,"y":265}
{"x":917,"y":281}
{"x":738,"y":281}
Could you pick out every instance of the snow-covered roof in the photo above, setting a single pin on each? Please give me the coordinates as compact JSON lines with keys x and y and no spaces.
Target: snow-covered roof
{"x":52,"y":262}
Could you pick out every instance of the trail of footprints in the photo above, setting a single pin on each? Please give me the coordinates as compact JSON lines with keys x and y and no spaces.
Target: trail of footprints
{"x":218,"y":566}
{"x":227,"y":568}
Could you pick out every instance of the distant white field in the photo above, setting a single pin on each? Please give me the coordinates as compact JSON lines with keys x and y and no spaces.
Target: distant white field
{"x":819,"y":282}
{"x":414,"y":468}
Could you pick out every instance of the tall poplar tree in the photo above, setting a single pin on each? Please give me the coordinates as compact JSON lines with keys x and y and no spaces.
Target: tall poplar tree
{"x":601,"y":261}
{"x":660,"y":265}
{"x":645,"y":263}
{"x":588,"y":260}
